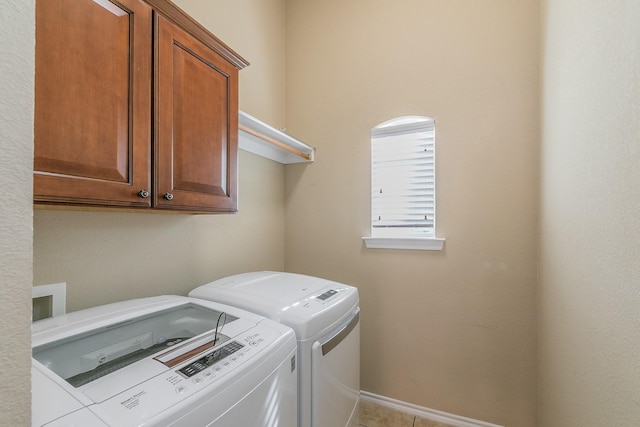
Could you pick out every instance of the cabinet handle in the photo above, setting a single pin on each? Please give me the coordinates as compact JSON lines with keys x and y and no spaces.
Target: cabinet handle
{"x":168,"y":196}
{"x":143,"y":194}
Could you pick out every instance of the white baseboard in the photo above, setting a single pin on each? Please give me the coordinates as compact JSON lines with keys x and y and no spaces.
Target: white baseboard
{"x":422,"y":412}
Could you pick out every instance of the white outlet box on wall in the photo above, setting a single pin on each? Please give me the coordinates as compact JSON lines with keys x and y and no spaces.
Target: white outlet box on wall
{"x":49,"y":300}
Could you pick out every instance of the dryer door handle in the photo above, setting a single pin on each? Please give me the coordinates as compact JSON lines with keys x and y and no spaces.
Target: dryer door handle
{"x":337,"y":338}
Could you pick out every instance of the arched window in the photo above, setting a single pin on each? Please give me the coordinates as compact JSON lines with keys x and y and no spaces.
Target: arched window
{"x":403,"y":192}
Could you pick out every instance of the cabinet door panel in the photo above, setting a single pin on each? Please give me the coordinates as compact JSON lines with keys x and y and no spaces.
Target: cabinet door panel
{"x":199,"y":124}
{"x":196,"y":133}
{"x":93,"y":100}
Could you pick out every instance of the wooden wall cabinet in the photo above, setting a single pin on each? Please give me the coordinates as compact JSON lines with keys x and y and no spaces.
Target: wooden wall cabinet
{"x":136,"y":107}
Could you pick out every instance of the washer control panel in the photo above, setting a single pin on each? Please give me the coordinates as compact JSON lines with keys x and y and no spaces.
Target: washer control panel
{"x":209,"y":359}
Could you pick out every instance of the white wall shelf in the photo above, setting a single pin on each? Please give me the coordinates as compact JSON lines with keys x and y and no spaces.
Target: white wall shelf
{"x":263,"y":140}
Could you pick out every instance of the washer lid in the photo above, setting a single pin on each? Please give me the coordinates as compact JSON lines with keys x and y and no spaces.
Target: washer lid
{"x":307,"y":304}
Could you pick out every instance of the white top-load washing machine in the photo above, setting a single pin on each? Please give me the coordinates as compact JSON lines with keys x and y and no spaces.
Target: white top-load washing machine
{"x":325,"y":317}
{"x":163,"y":361}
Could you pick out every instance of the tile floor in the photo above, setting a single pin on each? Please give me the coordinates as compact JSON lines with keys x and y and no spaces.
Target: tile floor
{"x":372,"y":415}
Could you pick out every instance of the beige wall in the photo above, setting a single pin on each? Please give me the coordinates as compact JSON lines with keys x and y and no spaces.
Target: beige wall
{"x":589,"y":329}
{"x":110,"y":256}
{"x":451,"y":330}
{"x":16,"y":157}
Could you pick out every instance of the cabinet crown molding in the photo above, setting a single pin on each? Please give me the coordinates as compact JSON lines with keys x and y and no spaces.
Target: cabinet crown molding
{"x":172,"y":12}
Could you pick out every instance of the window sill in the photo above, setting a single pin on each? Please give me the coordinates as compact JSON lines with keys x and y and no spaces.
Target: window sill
{"x":415,"y":243}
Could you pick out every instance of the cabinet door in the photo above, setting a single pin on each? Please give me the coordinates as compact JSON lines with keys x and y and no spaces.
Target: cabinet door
{"x":93,"y":102}
{"x":196,"y":126}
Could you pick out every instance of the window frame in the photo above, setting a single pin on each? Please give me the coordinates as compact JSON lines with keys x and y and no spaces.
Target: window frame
{"x":397,"y":232}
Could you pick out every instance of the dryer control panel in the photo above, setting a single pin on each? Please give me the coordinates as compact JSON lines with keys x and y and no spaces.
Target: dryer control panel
{"x":327,"y":295}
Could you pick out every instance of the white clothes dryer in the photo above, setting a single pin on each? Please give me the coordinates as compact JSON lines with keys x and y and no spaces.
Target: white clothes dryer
{"x":163,"y":361}
{"x":325,"y":317}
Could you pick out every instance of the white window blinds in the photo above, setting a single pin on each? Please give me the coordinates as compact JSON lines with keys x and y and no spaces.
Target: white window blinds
{"x":403,"y":178}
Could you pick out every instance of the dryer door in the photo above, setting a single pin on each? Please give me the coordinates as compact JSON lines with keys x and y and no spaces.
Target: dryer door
{"x":335,"y":376}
